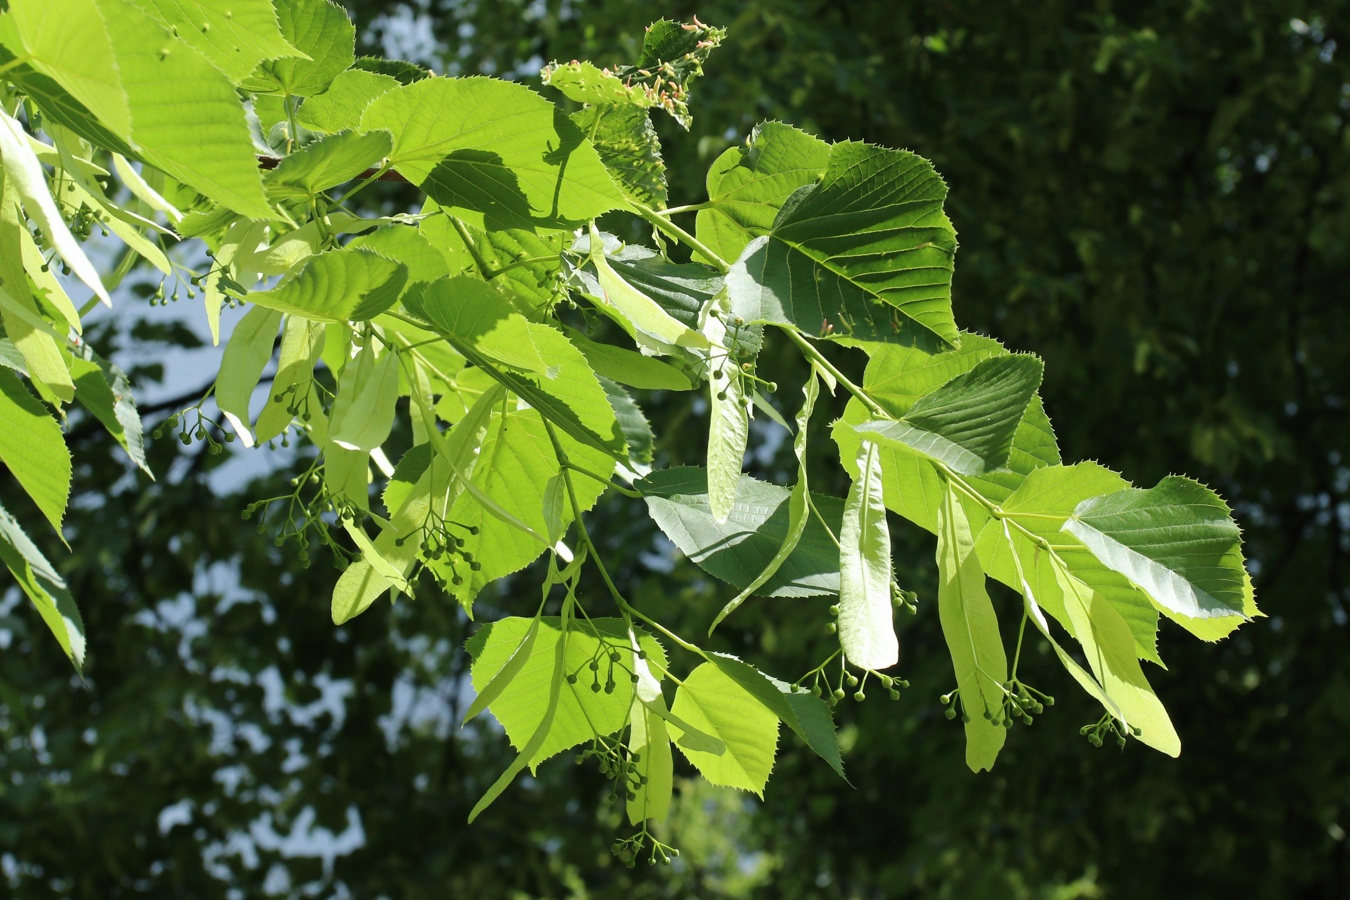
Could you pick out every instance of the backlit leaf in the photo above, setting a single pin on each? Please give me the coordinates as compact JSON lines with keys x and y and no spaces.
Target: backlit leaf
{"x":341,"y":106}
{"x":806,"y":714}
{"x":44,"y":587}
{"x":23,"y":176}
{"x":235,"y":36}
{"x":582,"y":712}
{"x":494,"y":153}
{"x":186,"y":117}
{"x":714,"y":702}
{"x":971,"y":631}
{"x":337,"y":286}
{"x":530,"y":359}
{"x":322,"y":31}
{"x":246,"y":355}
{"x":363,"y":411}
{"x":33,"y":449}
{"x":327,"y":162}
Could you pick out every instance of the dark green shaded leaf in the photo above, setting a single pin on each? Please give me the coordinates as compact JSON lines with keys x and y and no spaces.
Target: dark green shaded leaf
{"x":738,"y":550}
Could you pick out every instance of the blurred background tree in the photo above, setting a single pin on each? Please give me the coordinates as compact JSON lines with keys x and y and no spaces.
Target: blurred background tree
{"x":1152,"y":195}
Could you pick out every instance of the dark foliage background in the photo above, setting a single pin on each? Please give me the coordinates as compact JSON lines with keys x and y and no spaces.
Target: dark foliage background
{"x":1153,"y":195}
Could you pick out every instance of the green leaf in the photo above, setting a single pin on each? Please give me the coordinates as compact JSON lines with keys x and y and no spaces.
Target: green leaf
{"x":806,"y":714}
{"x":602,"y":89}
{"x":400,"y":70}
{"x":513,"y":472}
{"x":527,"y":262}
{"x":711,"y":700}
{"x":142,"y":190}
{"x":797,"y":506}
{"x":67,"y":40}
{"x":325,"y":163}
{"x":1177,"y":541}
{"x":363,"y":411}
{"x":503,"y":677}
{"x":684,"y":290}
{"x":969,"y":423}
{"x":416,"y":490}
{"x":532,"y":360}
{"x":186,"y":117}
{"x":33,"y":449}
{"x":408,"y":246}
{"x":1034,"y":612}
{"x":1039,"y":508}
{"x":582,"y":712}
{"x":301,"y":339}
{"x":542,"y":729}
{"x":371,"y":554}
{"x":1109,"y":648}
{"x":866,"y":626}
{"x":82,"y":189}
{"x":338,"y":286}
{"x":285,"y":254}
{"x":630,"y":149}
{"x":634,"y":309}
{"x":10,"y":357}
{"x":104,"y":390}
{"x":246,"y":355}
{"x":44,"y":587}
{"x":866,"y":253}
{"x":494,"y":153}
{"x":748,"y":185}
{"x":236,"y":36}
{"x":346,"y":475}
{"x":738,"y":550}
{"x":728,"y":421}
{"x":35,"y":339}
{"x":971,"y":631}
{"x":323,"y":32}
{"x":649,"y":741}
{"x":674,"y":52}
{"x":637,"y":431}
{"x":896,"y":376}
{"x":628,"y":366}
{"x":341,"y":106}
{"x":23,"y":176}
{"x":672,"y":57}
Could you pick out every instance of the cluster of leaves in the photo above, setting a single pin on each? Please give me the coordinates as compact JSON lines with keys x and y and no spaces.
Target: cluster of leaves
{"x":484,"y":318}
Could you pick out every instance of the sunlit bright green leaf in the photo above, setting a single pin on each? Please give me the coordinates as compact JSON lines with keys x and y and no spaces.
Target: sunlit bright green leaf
{"x":33,"y":448}
{"x":748,"y":185}
{"x":235,"y":35}
{"x":322,"y":31}
{"x":328,"y":162}
{"x":711,"y":700}
{"x":241,"y":367}
{"x":337,"y":286}
{"x":582,"y":712}
{"x":341,"y":106}
{"x":494,"y":153}
{"x":44,"y":587}
{"x":971,"y":630}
